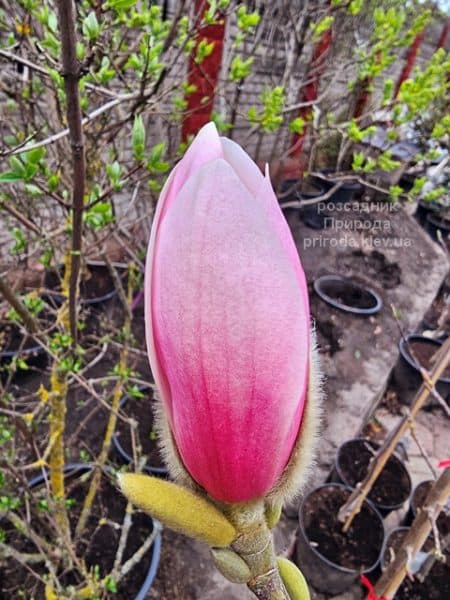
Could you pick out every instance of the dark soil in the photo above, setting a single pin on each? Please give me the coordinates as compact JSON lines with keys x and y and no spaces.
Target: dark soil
{"x":375,"y":267}
{"x":357,"y":549}
{"x":12,"y":339}
{"x":329,"y":336}
{"x":437,"y":584}
{"x":98,"y":545}
{"x":95,"y":282}
{"x":438,"y":315}
{"x":393,"y":485}
{"x":348,"y":294}
{"x":424,"y":353}
{"x":418,"y":500}
{"x":141,"y":410}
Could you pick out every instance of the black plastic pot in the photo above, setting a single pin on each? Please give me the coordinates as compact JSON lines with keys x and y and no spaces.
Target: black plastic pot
{"x":288,"y":192}
{"x":424,"y":209}
{"x":314,"y":540}
{"x":311,"y":215}
{"x":436,"y":222}
{"x":435,"y":586}
{"x":395,"y":533}
{"x":120,"y":447}
{"x":297,"y":190}
{"x":76,"y":470}
{"x":20,"y":347}
{"x":417,"y":500}
{"x":52,"y":285}
{"x":352,"y":464}
{"x":346,"y":192}
{"x":348,"y":296}
{"x":407,"y":374}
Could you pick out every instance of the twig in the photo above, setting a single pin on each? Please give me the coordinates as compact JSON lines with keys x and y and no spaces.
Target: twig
{"x":353,"y":505}
{"x":392,"y":578}
{"x":28,"y":319}
{"x":432,"y":558}
{"x":112,"y":420}
{"x":424,"y":455}
{"x":7,"y":551}
{"x":71,"y":74}
{"x":137,"y":556}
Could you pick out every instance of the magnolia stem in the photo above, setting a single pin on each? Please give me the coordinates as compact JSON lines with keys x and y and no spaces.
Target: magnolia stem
{"x":255,"y":546}
{"x":71,"y":74}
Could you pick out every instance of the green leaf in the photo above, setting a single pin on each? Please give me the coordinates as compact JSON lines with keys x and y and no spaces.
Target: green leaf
{"x":91,"y":27}
{"x":10,"y":177}
{"x":297,"y":125}
{"x":138,"y":138}
{"x":121,"y":5}
{"x":240,"y":69}
{"x":34,"y":156}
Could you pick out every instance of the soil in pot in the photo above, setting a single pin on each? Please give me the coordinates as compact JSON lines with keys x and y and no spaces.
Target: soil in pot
{"x":312,"y":216}
{"x":140,"y":409}
{"x":392,"y":487}
{"x":434,"y":223}
{"x":96,"y":285}
{"x":436,"y":586}
{"x":98,"y":545}
{"x":331,"y":559}
{"x":418,"y":350}
{"x":347,"y":295}
{"x":14,"y":344}
{"x":425,"y":353}
{"x":418,"y":500}
{"x":424,"y":209}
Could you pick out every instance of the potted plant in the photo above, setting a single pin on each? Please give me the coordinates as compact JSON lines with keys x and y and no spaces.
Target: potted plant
{"x":114,"y":556}
{"x":332,"y":559}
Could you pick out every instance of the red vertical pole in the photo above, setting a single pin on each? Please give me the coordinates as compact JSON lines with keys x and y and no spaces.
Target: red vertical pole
{"x":310,"y":91}
{"x":364,"y":93}
{"x":442,"y":43}
{"x":410,"y":60}
{"x":203,"y":76}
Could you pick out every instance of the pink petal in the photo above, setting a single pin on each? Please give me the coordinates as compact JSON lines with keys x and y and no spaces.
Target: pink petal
{"x":243,"y":165}
{"x":205,"y":147}
{"x":230,"y":332}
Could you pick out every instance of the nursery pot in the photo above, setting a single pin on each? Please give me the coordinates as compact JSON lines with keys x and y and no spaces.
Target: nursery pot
{"x":424,"y":209}
{"x":96,"y":287}
{"x":15,"y":344}
{"x":436,"y":585}
{"x":407,"y":374}
{"x":331,"y":560}
{"x":345,"y":193}
{"x":111,"y":506}
{"x":417,"y":501}
{"x":392,"y":487}
{"x":311,"y":215}
{"x":141,"y":411}
{"x":289,"y":190}
{"x":348,"y":296}
{"x":436,"y":222}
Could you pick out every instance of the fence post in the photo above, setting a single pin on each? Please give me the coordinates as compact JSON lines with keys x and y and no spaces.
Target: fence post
{"x":203,"y":76}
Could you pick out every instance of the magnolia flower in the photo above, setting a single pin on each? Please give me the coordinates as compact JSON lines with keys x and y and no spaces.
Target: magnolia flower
{"x":227,"y":323}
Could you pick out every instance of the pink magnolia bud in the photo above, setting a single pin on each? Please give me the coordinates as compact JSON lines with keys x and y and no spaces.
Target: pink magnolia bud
{"x":227,"y":321}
